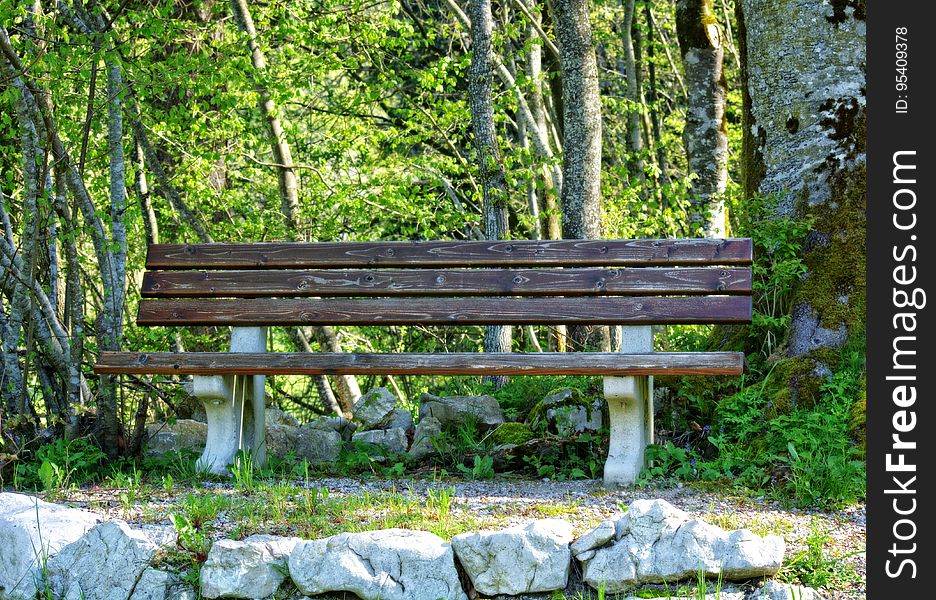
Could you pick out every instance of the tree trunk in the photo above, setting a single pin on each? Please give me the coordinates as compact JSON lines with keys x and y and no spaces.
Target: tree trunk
{"x":804,"y":142}
{"x":706,"y":131}
{"x":493,"y":188}
{"x":581,"y":117}
{"x":581,"y":159}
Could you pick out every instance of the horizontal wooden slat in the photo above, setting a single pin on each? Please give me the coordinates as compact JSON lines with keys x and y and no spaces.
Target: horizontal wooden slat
{"x":517,"y":253}
{"x":542,"y":363}
{"x":447,"y":311}
{"x":436,"y":282}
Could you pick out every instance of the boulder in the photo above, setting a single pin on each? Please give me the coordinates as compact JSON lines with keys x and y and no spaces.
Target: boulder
{"x":159,"y":585}
{"x":280,"y":439}
{"x":373,"y":409}
{"x":183,"y":434}
{"x":317,"y":445}
{"x":32,"y":531}
{"x":482,"y":410}
{"x":568,"y":412}
{"x":275,"y":416}
{"x":656,"y":542}
{"x":344,"y":427}
{"x":400,"y":418}
{"x":519,"y":560}
{"x":389,"y":564}
{"x":104,"y":564}
{"x":252,"y":568}
{"x":392,"y":440}
{"x":774,"y":590}
{"x":426,"y":430}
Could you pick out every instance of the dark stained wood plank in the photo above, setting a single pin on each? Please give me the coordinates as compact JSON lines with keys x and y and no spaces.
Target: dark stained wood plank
{"x":518,"y":253}
{"x":542,"y":363}
{"x":447,"y":311}
{"x":436,"y":282}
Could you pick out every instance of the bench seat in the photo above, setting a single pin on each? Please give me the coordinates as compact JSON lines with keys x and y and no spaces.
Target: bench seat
{"x":412,"y":363}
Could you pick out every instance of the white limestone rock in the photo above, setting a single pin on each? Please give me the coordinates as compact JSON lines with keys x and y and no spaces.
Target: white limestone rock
{"x":104,"y":564}
{"x":275,"y":416}
{"x":317,"y":445}
{"x":389,"y":564}
{"x":518,"y":560}
{"x":280,"y":439}
{"x":251,"y":568}
{"x":427,"y":429}
{"x":32,"y":531}
{"x":392,"y":440}
{"x":655,"y":542}
{"x":159,"y":585}
{"x":400,"y":418}
{"x":483,"y":410}
{"x":595,"y":538}
{"x":374,"y":408}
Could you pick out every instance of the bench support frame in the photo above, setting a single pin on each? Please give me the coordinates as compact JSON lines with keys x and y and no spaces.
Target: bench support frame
{"x":630,"y":413}
{"x":235,"y":407}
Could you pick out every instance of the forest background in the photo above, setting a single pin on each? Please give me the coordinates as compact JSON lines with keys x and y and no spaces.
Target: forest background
{"x":127,"y":122}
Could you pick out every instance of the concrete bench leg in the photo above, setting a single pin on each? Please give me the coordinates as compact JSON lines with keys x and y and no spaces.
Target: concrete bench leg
{"x":234,"y":405}
{"x":630,"y":412}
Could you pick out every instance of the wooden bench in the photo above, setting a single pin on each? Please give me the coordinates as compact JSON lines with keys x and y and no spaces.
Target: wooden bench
{"x":636,"y":283}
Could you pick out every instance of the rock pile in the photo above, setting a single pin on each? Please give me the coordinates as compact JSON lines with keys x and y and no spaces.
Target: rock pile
{"x":68,"y":553}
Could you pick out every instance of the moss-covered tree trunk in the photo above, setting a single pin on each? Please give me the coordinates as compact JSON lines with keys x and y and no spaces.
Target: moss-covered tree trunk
{"x":804,"y":142}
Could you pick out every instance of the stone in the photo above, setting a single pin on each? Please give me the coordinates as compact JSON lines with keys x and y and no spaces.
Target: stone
{"x":656,"y":542}
{"x":344,"y":427}
{"x":159,"y":585}
{"x":373,"y":408}
{"x":427,"y":429}
{"x":775,"y":590}
{"x":104,"y":564}
{"x":184,"y":434}
{"x":275,"y":416}
{"x":32,"y":531}
{"x":389,"y":564}
{"x":400,"y":418}
{"x":316,"y":445}
{"x":595,"y":538}
{"x":482,"y":410}
{"x":392,"y":440}
{"x":577,"y":419}
{"x":518,"y":560}
{"x":251,"y":568}
{"x":281,"y":439}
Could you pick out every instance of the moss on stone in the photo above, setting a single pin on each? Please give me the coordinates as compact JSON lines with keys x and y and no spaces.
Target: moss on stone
{"x":512,"y":433}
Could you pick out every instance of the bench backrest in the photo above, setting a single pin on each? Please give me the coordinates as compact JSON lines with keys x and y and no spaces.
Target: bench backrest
{"x":633,"y":282}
